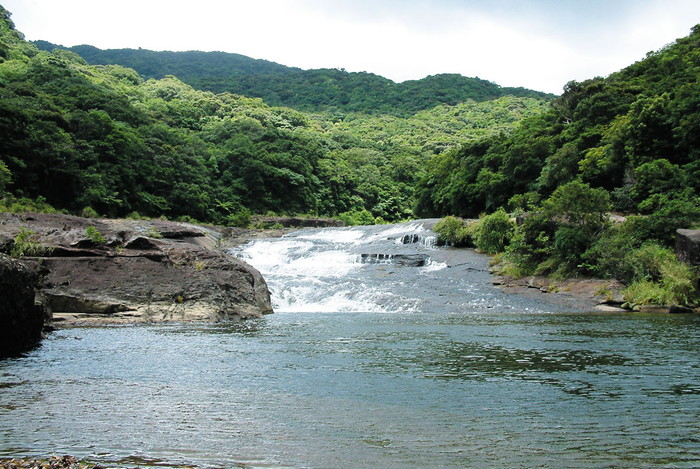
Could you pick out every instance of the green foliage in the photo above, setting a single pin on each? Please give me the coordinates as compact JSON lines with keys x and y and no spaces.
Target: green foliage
{"x":356,"y":218}
{"x":94,"y":235}
{"x":5,"y":177}
{"x":570,"y":244}
{"x":659,"y":278}
{"x":608,"y":256}
{"x":101,"y":136}
{"x":657,"y":177}
{"x":12,"y":204}
{"x":522,"y":203}
{"x":531,"y":243}
{"x":89,"y":212}
{"x":154,"y":232}
{"x":634,"y":134}
{"x":331,"y":90}
{"x":453,"y":231}
{"x":239,"y":219}
{"x":666,"y":214}
{"x":577,"y":204}
{"x":26,"y":244}
{"x":492,"y":232}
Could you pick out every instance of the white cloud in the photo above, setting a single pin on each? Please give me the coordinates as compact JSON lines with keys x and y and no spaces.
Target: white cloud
{"x":540,"y":44}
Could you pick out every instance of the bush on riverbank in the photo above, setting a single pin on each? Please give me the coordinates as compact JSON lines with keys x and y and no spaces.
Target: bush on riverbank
{"x":453,"y":231}
{"x":570,"y":235}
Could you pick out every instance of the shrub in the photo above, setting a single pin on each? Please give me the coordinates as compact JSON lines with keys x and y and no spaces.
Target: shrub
{"x":607,"y":257}
{"x":492,"y":232}
{"x":89,"y":212}
{"x":5,"y":177}
{"x":135,"y":216}
{"x":11,"y":204}
{"x":94,"y":235}
{"x":521,"y":203}
{"x":666,"y":215}
{"x":531,"y":242}
{"x":452,"y":231}
{"x":153,"y":232}
{"x":357,"y":217}
{"x":239,"y":219}
{"x":657,"y":177}
{"x":570,"y":243}
{"x":26,"y":244}
{"x":660,"y":278}
{"x":577,"y":203}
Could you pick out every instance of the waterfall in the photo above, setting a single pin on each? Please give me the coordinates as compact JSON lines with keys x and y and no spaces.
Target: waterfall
{"x":383,"y":269}
{"x":351,"y":269}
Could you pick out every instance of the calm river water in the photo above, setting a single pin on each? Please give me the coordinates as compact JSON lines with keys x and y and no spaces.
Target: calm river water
{"x":367,"y":364}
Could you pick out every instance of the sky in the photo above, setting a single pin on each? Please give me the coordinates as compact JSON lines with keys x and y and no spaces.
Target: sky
{"x":537,"y":44}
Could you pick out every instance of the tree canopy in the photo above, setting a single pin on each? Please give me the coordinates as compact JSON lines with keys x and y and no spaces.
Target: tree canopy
{"x":106,"y":139}
{"x":307,"y":90}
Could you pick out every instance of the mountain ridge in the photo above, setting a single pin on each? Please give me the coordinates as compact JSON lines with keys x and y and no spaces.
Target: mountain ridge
{"x":312,"y":90}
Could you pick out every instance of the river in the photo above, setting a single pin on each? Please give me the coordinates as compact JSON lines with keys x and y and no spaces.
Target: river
{"x":380,"y":354}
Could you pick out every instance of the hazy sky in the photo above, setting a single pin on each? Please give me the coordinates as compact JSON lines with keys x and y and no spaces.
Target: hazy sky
{"x":538,"y":44}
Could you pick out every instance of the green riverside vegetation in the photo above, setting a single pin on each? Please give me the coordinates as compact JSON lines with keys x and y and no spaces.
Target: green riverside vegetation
{"x":626,"y":143}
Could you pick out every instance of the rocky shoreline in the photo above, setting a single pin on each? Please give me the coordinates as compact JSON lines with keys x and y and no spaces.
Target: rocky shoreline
{"x":58,"y":462}
{"x":597,"y":294}
{"x":115,"y":271}
{"x":54,"y":462}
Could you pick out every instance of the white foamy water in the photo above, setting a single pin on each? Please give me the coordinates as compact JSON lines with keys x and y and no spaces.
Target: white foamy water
{"x":321,"y":270}
{"x":384,"y":269}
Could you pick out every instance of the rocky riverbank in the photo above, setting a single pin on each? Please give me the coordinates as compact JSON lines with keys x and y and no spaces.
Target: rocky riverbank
{"x":54,"y":462}
{"x":596,"y":294}
{"x":126,"y":271}
{"x":21,"y":321}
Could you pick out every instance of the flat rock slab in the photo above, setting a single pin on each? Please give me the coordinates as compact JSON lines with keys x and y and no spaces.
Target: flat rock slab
{"x":142,"y":271}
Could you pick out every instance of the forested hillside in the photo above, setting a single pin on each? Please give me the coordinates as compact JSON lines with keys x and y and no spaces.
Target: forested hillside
{"x":306,"y":90}
{"x":103,"y":139}
{"x":635,"y":133}
{"x":628,"y":143}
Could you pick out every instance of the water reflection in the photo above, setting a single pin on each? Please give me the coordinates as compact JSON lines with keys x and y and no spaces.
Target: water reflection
{"x":364,"y":390}
{"x":248,"y":328}
{"x":477,"y":360}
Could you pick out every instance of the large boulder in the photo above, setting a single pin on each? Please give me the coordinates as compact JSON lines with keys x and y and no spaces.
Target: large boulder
{"x":21,"y":322}
{"x":115,"y":271}
{"x":688,"y":246}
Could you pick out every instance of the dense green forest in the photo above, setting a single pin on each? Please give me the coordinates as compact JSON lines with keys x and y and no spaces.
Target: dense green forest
{"x":102,"y":139}
{"x":634,"y":134}
{"x":305,"y":90}
{"x":628,"y":143}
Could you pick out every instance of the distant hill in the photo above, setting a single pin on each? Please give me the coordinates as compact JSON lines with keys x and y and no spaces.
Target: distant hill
{"x":306,"y":90}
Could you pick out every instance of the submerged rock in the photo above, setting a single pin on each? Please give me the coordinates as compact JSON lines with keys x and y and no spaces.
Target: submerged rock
{"x":137,"y":271}
{"x":407,"y":260}
{"x":21,"y":322}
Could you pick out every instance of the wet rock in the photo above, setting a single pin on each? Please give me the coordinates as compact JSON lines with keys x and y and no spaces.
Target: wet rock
{"x":411,"y":260}
{"x":407,"y":260}
{"x":21,"y":322}
{"x":54,"y":462}
{"x":410,"y":239}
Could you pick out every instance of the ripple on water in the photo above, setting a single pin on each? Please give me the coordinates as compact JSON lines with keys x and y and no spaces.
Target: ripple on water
{"x":446,"y":371}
